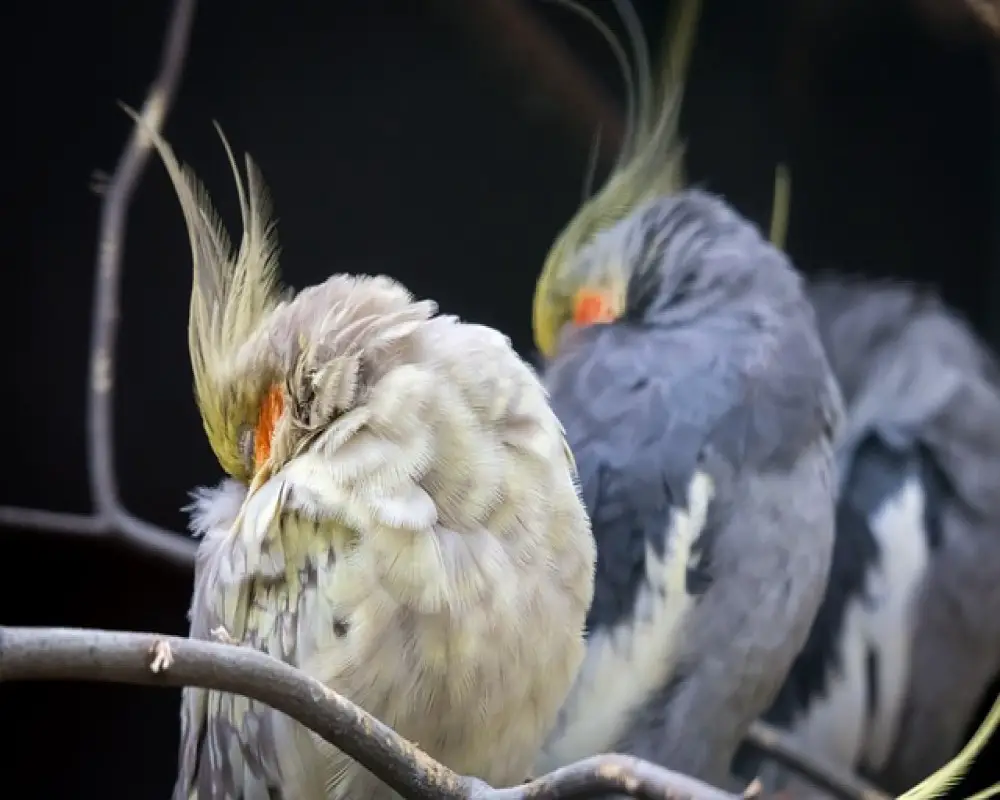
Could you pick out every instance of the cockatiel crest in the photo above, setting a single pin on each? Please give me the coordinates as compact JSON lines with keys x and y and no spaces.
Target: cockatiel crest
{"x":402,"y":521}
{"x":232,"y":294}
{"x":650,"y":164}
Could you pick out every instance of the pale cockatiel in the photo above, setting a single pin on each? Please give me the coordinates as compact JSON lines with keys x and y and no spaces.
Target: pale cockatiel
{"x":684,"y":362}
{"x":907,"y":641}
{"x":402,"y":522}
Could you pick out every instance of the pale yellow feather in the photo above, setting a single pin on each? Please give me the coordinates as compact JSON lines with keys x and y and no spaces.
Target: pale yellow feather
{"x":231,"y":294}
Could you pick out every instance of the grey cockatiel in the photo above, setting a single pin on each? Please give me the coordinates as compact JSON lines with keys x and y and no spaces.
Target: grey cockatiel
{"x":908,"y":638}
{"x":401,"y":521}
{"x":683,"y":360}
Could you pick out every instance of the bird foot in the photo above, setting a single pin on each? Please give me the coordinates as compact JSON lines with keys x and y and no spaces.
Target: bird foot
{"x":222,"y":636}
{"x":163,"y":658}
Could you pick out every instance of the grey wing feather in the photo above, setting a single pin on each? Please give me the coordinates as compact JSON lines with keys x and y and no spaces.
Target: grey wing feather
{"x":911,"y":372}
{"x":741,"y":392}
{"x":641,"y":407}
{"x":916,"y":377}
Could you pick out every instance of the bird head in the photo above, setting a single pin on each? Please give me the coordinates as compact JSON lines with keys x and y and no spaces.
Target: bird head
{"x":583,"y":291}
{"x":272,"y":371}
{"x":241,"y":398}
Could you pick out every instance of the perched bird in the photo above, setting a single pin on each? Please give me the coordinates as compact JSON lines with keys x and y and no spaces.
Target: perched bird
{"x":401,"y":521}
{"x":682,"y":357}
{"x":907,"y":640}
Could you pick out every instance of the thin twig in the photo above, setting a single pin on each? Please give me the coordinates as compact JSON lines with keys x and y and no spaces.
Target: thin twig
{"x":779,"y":747}
{"x":149,"y":659}
{"x":110,"y":517}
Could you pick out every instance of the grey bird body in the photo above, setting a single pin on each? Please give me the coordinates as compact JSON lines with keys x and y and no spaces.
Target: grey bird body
{"x":843,"y":698}
{"x":908,"y":638}
{"x":701,"y":422}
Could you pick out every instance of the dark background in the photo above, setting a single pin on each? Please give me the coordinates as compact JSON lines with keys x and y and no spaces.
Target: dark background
{"x":392,"y":145}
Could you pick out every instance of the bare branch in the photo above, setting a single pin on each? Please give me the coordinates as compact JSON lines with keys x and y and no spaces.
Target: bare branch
{"x":781,"y":748}
{"x":148,"y":659}
{"x":53,"y":521}
{"x":598,"y":775}
{"x":114,"y":657}
{"x":110,"y":518}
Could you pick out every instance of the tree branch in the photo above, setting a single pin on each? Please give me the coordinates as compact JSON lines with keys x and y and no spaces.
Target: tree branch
{"x":148,"y":659}
{"x":782,"y":748}
{"x":111,"y":518}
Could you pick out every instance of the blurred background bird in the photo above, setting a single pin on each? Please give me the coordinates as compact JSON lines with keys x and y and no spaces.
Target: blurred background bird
{"x":682,"y":357}
{"x":907,"y":638}
{"x":401,"y":521}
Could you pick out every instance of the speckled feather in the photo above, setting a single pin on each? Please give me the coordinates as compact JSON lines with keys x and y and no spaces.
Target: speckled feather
{"x":415,"y":540}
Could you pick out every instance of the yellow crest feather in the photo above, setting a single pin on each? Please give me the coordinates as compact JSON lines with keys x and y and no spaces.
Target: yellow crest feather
{"x":941,"y":781}
{"x":781,"y":206}
{"x":651,"y":161}
{"x":230,"y":293}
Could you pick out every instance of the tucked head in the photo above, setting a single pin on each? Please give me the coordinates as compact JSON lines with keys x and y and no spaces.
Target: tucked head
{"x":271,"y":370}
{"x":579,"y":288}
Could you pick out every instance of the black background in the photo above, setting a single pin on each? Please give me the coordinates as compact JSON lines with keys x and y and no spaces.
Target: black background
{"x":391,"y":146}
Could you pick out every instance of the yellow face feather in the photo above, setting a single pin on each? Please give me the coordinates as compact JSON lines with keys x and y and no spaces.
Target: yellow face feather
{"x":231,"y":294}
{"x":650,"y":164}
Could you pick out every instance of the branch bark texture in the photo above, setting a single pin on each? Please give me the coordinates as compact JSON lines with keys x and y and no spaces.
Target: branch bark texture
{"x":149,"y":659}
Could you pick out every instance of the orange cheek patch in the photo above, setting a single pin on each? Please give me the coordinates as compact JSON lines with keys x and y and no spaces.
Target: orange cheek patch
{"x":270,"y":411}
{"x":591,"y":307}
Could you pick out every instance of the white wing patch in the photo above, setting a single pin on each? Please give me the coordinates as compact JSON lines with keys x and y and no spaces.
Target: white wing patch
{"x":899,"y":528}
{"x":836,"y":726}
{"x":626,"y":664}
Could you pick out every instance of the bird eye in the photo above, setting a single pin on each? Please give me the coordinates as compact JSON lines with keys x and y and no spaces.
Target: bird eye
{"x":245,"y":443}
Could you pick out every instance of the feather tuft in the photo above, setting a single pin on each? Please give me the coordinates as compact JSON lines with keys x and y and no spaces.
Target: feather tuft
{"x":944,"y":779}
{"x":650,"y":163}
{"x":231,"y":293}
